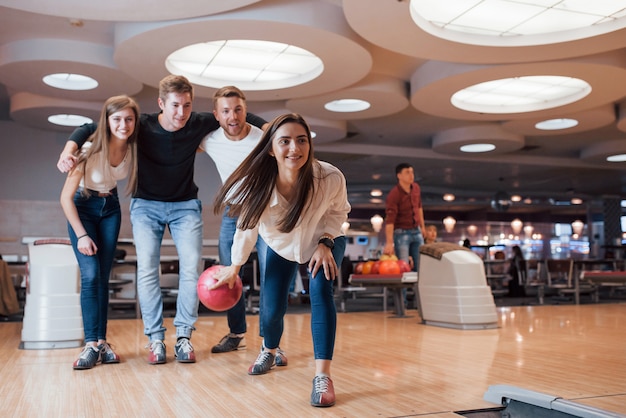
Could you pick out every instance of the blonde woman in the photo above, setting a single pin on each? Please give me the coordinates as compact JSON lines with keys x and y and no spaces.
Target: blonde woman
{"x":91,"y":205}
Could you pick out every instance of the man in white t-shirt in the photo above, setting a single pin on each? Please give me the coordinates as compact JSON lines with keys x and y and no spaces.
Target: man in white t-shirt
{"x":228,"y":146}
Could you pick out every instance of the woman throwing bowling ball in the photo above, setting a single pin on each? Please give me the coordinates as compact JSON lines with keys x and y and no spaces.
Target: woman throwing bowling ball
{"x":296,"y":205}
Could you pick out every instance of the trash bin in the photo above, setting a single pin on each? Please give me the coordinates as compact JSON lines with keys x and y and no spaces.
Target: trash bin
{"x":52,"y":312}
{"x":452,"y":288}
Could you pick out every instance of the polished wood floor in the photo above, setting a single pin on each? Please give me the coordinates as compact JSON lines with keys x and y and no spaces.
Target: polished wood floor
{"x":383,"y":367}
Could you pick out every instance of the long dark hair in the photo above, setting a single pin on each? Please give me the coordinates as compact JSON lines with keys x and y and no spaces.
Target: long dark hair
{"x":249,"y":188}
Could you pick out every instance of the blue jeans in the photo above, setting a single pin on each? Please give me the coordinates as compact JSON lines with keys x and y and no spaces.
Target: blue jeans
{"x":101,"y":217}
{"x":237,"y":314}
{"x":277,"y":274}
{"x":407,"y":243}
{"x":184,"y":220}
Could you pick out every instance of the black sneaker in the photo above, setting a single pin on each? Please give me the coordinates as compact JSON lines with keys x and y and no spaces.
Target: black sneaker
{"x":107,"y":355}
{"x":183,"y":351}
{"x":263,"y":363}
{"x":230,"y":342}
{"x":157,"y":352}
{"x":88,"y":358}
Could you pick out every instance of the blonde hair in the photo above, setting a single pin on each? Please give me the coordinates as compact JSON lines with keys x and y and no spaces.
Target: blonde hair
{"x":101,"y":137}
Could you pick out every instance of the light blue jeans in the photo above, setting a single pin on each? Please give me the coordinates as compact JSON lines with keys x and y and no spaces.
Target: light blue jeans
{"x":184,"y":220}
{"x":407,"y":243}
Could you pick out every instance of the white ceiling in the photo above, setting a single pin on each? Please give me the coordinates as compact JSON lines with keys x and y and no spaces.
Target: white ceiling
{"x":371,"y":50}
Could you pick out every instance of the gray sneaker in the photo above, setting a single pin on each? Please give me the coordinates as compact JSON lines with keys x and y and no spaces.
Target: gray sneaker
{"x":183,"y":351}
{"x":263,"y":363}
{"x":157,"y":352}
{"x":230,"y":342}
{"x":107,"y":355}
{"x":323,"y":393}
{"x":88,"y":358}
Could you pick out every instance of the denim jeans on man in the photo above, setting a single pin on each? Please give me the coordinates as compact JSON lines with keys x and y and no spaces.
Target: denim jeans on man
{"x":277,"y":276}
{"x":407,"y":243}
{"x":237,"y":314}
{"x":184,"y":220}
{"x":101,"y":217}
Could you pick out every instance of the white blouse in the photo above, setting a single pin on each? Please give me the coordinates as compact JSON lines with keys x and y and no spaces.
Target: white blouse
{"x":96,"y":179}
{"x":327,"y":212}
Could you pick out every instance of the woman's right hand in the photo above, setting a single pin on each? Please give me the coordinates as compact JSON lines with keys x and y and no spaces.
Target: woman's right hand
{"x":226,"y":275}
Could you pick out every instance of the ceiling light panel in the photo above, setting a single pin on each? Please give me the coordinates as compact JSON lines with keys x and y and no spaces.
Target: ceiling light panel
{"x":556,"y":124}
{"x":252,"y":65}
{"x":347,"y":105}
{"x":69,"y":120}
{"x":499,"y":20}
{"x":521,"y":94}
{"x":67,"y":81}
{"x":552,"y":20}
{"x":477,"y":148}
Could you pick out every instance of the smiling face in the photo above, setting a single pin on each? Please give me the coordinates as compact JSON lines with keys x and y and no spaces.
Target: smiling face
{"x":291,"y":146}
{"x":122,"y":123}
{"x":176,"y":110}
{"x":230,"y":112}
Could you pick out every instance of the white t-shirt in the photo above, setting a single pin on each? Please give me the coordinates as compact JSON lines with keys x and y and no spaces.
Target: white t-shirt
{"x":228,"y":154}
{"x":95,"y":179}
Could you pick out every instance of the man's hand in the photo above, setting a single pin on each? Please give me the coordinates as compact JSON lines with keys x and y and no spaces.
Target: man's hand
{"x":67,"y":160}
{"x":66,"y":163}
{"x":388,"y":249}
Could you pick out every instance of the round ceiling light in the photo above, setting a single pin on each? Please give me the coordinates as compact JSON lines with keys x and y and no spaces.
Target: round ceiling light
{"x":249,"y":64}
{"x":347,"y":105}
{"x":617,"y":158}
{"x":523,"y":22}
{"x":556,"y":124}
{"x":67,"y":81}
{"x":520,"y":94}
{"x":477,"y":148}
{"x":69,"y":120}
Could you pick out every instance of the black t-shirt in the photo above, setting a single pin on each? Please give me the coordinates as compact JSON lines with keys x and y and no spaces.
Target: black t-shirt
{"x":166,"y":159}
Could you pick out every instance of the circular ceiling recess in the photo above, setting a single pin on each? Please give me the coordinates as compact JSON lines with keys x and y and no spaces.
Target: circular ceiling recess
{"x":434,"y":38}
{"x":326,"y":69}
{"x":124,"y":10}
{"x":476,"y":139}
